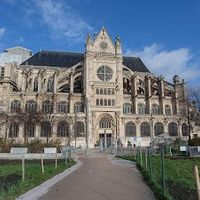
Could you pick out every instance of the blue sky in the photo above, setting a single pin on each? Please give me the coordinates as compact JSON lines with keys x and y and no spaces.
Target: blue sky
{"x":165,"y":34}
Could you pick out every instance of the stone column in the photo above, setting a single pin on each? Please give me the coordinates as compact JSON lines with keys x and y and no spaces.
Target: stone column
{"x":161,"y":95}
{"x":134,"y":93}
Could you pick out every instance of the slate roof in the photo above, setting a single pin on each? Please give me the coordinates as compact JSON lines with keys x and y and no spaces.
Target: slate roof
{"x":68,"y":59}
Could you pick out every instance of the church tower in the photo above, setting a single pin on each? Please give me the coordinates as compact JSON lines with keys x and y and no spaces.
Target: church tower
{"x":103,"y":87}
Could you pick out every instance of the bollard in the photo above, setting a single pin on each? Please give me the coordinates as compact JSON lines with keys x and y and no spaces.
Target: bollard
{"x":42,"y":164}
{"x":196,"y":170}
{"x":23,"y":168}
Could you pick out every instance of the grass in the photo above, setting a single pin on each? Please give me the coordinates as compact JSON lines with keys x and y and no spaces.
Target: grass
{"x":179,"y":176}
{"x":33,"y":175}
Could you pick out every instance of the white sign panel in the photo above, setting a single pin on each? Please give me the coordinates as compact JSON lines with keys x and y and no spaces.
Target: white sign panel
{"x":50,"y":150}
{"x":182,"y":148}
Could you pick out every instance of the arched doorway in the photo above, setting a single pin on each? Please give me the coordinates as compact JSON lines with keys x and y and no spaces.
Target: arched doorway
{"x":106,"y":124}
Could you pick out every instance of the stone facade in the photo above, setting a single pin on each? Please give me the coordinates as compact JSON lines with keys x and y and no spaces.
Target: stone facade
{"x":98,"y":96}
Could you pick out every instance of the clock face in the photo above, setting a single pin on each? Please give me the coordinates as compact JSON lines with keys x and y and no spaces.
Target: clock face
{"x":104,"y":73}
{"x":103,"y":45}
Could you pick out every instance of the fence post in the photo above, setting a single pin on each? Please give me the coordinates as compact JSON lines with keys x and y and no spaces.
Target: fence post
{"x":66,"y":157}
{"x":162,"y":171}
{"x":56,"y":161}
{"x":146,"y":165}
{"x":150,"y":165}
{"x":42,"y":164}
{"x":141,"y":162}
{"x":196,"y":170}
{"x":23,"y":168}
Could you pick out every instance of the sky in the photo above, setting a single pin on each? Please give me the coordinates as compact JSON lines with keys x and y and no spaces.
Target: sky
{"x":165,"y":34}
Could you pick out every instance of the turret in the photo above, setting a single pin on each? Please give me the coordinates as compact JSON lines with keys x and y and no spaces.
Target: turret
{"x":89,"y":43}
{"x":118,"y":49}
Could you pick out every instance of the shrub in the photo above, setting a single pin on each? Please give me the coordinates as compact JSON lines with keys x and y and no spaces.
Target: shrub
{"x":194,"y":141}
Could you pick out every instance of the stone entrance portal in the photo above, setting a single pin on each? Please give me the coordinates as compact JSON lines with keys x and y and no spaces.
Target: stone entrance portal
{"x":105,"y":140}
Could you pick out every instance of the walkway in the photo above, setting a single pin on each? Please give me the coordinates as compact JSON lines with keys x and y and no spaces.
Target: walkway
{"x":101,"y":177}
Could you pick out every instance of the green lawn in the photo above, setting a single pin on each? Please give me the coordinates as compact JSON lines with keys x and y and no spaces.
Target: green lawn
{"x":179,"y":176}
{"x":33,"y":175}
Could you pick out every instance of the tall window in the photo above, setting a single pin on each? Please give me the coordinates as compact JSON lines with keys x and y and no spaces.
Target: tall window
{"x":62,"y":107}
{"x":158,"y":128}
{"x":79,"y":129}
{"x":127,"y":108}
{"x":2,"y":70}
{"x":35,"y":85}
{"x":50,"y":85}
{"x":105,"y":123}
{"x":46,"y":129}
{"x":97,"y":102}
{"x":78,"y":107}
{"x":145,"y":129}
{"x":141,"y":109}
{"x":97,"y":91}
{"x":47,"y":107}
{"x":63,"y":129}
{"x":13,"y":130}
{"x":31,"y":106}
{"x":172,"y":127}
{"x":185,"y":130}
{"x":15,"y":106}
{"x":155,"y":109}
{"x":78,"y":84}
{"x":168,"y":110}
{"x":130,"y":130}
{"x":29,"y":130}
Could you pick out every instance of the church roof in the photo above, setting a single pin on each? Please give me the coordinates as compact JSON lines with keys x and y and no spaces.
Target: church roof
{"x":68,"y":59}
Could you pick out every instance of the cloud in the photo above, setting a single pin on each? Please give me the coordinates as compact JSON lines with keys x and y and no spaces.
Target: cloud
{"x":62,"y":21}
{"x":169,"y":62}
{"x":2,"y":31}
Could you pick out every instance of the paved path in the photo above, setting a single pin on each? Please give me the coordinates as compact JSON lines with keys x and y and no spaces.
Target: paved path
{"x":101,"y":177}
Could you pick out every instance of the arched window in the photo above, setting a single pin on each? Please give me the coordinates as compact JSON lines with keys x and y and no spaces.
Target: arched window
{"x":15,"y":106}
{"x":113,"y":102}
{"x":78,"y":107}
{"x":172,"y":127}
{"x":185,"y":130}
{"x":141,"y":109}
{"x":35,"y":85}
{"x":127,"y":108}
{"x":109,"y":91}
{"x":101,"y":102}
{"x":13,"y":130}
{"x":29,"y":130}
{"x":109,"y":102}
{"x":50,"y":85}
{"x":97,"y":102}
{"x":158,"y":128}
{"x":145,"y":129}
{"x":63,"y":129}
{"x":105,"y":91}
{"x":47,"y":107}
{"x":155,"y":109}
{"x":105,"y":102}
{"x":130,"y":130}
{"x":97,"y":91}
{"x":105,"y":123}
{"x":31,"y":106}
{"x":113,"y":92}
{"x":46,"y":129}
{"x":101,"y":91}
{"x":167,"y":110}
{"x":62,"y":107}
{"x":126,"y":86}
{"x":79,"y":129}
{"x":78,"y":84}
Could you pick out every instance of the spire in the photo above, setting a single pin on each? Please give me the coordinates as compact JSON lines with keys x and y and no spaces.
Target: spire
{"x":118,"y":49}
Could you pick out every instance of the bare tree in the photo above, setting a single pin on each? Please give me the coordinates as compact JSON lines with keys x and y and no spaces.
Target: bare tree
{"x":190,"y":107}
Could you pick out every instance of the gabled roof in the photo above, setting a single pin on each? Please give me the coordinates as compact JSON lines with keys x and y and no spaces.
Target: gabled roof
{"x":54,"y":59}
{"x":135,"y":64}
{"x":68,"y":59}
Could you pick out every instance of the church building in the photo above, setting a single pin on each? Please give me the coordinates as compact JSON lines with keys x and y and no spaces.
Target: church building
{"x":98,"y":96}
